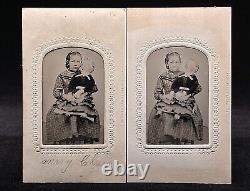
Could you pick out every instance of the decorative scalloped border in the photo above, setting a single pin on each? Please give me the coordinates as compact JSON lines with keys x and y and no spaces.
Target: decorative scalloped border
{"x":36,"y":109}
{"x":214,"y":70}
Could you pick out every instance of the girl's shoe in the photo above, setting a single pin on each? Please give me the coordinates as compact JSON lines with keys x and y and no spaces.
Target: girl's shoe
{"x":96,"y":140}
{"x":88,"y":141}
{"x":76,"y":134}
{"x":177,"y":141}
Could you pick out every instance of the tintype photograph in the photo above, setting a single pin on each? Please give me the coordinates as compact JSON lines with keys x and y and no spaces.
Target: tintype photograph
{"x":177,"y":96}
{"x":73,"y":97}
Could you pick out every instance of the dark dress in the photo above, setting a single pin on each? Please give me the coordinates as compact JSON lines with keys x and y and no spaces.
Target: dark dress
{"x":84,"y":105}
{"x":57,"y":125}
{"x":189,"y":84}
{"x":84,"y":81}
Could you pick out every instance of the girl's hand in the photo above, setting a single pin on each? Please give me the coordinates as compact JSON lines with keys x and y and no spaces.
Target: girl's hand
{"x":80,"y":97}
{"x":80,"y":90}
{"x":186,"y":97}
{"x":179,"y":96}
{"x":68,"y":97}
{"x":182,"y":96}
{"x":169,"y":96}
{"x":78,"y":93}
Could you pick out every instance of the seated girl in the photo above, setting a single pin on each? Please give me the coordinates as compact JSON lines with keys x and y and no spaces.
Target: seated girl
{"x":79,"y":100}
{"x":183,"y":88}
{"x":176,"y":104}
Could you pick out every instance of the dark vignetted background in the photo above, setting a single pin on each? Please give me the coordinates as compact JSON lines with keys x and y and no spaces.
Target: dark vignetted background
{"x":11,"y":95}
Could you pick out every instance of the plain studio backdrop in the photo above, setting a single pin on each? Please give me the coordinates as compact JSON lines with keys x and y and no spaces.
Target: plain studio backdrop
{"x":156,"y":66}
{"x":54,"y":64}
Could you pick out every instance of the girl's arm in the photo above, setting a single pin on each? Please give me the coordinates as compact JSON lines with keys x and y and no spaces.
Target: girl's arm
{"x":163,"y":94}
{"x":158,"y":92}
{"x":58,"y":88}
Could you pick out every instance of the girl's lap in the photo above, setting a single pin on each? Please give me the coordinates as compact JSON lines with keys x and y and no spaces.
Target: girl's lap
{"x":58,"y":127}
{"x":165,"y":129}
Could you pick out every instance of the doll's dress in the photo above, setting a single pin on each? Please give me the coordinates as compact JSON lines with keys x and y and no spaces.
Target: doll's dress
{"x":85,"y":108}
{"x":189,"y":84}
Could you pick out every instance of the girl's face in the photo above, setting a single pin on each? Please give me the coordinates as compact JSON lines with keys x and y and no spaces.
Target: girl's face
{"x":75,"y":62}
{"x":174,"y":63}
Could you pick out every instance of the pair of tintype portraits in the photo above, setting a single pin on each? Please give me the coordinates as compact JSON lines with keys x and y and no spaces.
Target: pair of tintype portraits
{"x":139,"y":86}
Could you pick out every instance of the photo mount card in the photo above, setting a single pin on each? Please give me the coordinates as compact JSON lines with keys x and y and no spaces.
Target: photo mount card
{"x":178,"y":95}
{"x":179,"y":104}
{"x":73,"y":94}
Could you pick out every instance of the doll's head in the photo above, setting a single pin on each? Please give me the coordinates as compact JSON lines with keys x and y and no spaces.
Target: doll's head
{"x":191,"y":67}
{"x":173,"y":61}
{"x":87,"y":68}
{"x":73,"y":61}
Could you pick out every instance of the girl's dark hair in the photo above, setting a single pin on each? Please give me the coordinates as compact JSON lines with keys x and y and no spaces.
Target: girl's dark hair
{"x":68,"y":58}
{"x":171,"y":54}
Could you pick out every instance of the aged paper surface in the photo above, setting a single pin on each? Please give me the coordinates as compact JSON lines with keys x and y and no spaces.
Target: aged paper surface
{"x":160,"y":133}
{"x":184,"y":138}
{"x":71,"y":146}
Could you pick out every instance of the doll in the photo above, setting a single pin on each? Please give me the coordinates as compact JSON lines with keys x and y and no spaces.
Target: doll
{"x":82,"y":84}
{"x":186,"y":86}
{"x":78,"y":100}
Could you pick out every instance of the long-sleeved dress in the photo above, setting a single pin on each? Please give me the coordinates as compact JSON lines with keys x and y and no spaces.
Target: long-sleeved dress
{"x":57,"y":125}
{"x":187,"y":128}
